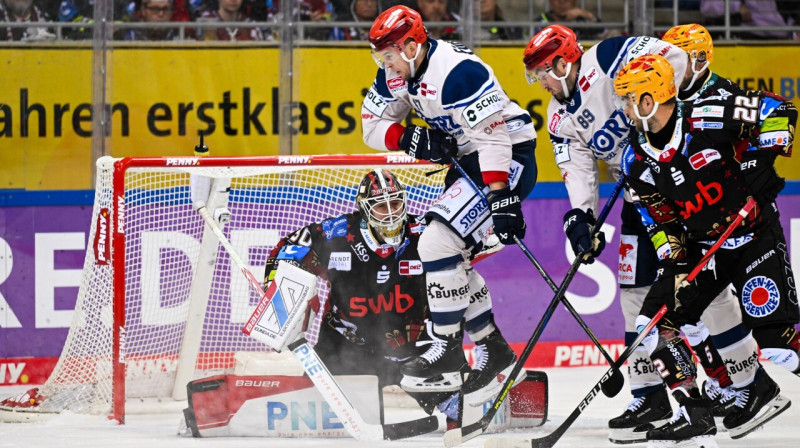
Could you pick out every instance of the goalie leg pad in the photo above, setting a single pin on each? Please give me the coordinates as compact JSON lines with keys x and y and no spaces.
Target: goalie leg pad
{"x":272,"y":406}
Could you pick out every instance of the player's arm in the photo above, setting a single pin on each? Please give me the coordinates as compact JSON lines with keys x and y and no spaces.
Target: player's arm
{"x":296,"y":249}
{"x":769,"y":121}
{"x":382,"y":114}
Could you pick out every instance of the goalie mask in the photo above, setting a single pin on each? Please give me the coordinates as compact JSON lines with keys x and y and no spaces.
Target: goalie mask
{"x":381,"y":200}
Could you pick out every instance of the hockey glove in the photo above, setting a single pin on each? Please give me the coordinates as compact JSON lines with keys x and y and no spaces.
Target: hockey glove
{"x":506,"y":209}
{"x":760,"y":175}
{"x":578,"y":226}
{"x":689,"y":300}
{"x":428,"y":144}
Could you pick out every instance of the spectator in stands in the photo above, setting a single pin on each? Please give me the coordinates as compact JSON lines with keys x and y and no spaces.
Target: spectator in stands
{"x":746,"y":13}
{"x":355,"y":11}
{"x":228,"y":11}
{"x":491,"y":12}
{"x":303,"y":11}
{"x":155,"y":11}
{"x":568,"y":11}
{"x":436,"y":11}
{"x":24,"y":11}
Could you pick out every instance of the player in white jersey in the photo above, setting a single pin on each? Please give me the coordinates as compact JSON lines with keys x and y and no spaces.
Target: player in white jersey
{"x":471,"y":119}
{"x":586,"y":126}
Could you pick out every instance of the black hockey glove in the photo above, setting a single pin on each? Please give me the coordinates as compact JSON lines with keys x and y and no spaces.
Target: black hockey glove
{"x":760,"y":175}
{"x":428,"y":144}
{"x":689,"y":300}
{"x":578,"y":226}
{"x":506,"y":209}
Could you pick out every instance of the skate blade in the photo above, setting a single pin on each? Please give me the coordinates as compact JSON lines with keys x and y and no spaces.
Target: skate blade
{"x":708,"y":441}
{"x":446,"y":382}
{"x":638,"y":434}
{"x":771,"y":410}
{"x":491,"y":390}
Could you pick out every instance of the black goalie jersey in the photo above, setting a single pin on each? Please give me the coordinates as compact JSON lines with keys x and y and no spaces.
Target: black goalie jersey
{"x":695,"y":176}
{"x":377,"y":292}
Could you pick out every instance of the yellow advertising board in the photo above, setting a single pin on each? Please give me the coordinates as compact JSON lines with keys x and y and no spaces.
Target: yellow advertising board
{"x":160,"y":98}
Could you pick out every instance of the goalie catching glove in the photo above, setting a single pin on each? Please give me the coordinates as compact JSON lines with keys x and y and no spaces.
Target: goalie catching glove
{"x":428,"y":144}
{"x":506,"y":209}
{"x":579,"y":227}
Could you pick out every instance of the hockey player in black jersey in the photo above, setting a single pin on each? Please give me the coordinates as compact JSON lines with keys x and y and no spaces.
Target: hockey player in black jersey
{"x":377,"y":306}
{"x":692,"y":174}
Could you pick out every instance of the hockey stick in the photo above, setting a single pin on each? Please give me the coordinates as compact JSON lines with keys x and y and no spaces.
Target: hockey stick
{"x":458,"y":436}
{"x":550,"y":439}
{"x":612,"y":387}
{"x":320,"y":375}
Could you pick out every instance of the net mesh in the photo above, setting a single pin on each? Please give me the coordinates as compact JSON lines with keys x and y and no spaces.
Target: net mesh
{"x":164,"y":244}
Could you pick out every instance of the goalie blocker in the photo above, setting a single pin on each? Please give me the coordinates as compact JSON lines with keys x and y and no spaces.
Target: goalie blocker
{"x":290,"y":406}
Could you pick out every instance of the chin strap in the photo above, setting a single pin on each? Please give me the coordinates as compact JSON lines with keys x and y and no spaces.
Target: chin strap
{"x":697,"y":73}
{"x":562,"y":79}
{"x":644,"y":119}
{"x":411,"y":61}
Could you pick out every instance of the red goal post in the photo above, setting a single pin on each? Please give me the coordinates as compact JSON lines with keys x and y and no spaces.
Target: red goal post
{"x":160,"y":302}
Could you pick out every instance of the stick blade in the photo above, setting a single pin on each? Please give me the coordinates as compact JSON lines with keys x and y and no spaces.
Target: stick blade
{"x":613,"y":385}
{"x":457,"y":436}
{"x":404,"y":430}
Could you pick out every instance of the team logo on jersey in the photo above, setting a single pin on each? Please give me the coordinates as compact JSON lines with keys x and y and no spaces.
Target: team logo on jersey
{"x":417,"y":228}
{"x":489,"y":129}
{"x":340,"y":261}
{"x":708,"y":111}
{"x":588,"y":79}
{"x":760,"y":296}
{"x":383,"y":275}
{"x":336,"y":228}
{"x":429,"y":91}
{"x":514,"y":125}
{"x":395,"y":84}
{"x":561,"y":151}
{"x":374,"y":103}
{"x":628,"y":257}
{"x":410,"y":267}
{"x":361,"y":252}
{"x":699,"y":123}
{"x":482,"y":108}
{"x":775,"y":138}
{"x":642,"y":47}
{"x":703,"y":158}
{"x":555,"y":122}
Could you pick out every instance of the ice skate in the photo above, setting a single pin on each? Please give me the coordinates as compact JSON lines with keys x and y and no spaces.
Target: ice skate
{"x":756,"y":404}
{"x":494,"y":361}
{"x":723,"y":398}
{"x":692,"y":426}
{"x":642,"y":415}
{"x":439,"y":369}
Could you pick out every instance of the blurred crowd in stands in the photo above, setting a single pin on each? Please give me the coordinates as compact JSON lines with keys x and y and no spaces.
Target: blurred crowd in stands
{"x":349,"y":20}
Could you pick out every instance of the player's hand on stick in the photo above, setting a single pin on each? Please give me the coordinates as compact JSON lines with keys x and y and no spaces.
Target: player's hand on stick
{"x":760,"y":175}
{"x":578,"y":226}
{"x":506,"y":209}
{"x":428,"y":144}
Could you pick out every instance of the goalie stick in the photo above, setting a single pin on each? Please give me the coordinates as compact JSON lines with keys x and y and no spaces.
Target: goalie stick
{"x":458,"y":436}
{"x":320,"y":375}
{"x":550,"y":439}
{"x":612,"y":387}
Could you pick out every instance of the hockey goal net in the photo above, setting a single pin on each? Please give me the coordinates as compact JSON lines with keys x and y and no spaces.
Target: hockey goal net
{"x":160,"y":302}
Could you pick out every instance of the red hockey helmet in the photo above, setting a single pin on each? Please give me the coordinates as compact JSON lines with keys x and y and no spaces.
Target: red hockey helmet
{"x":395,"y":26}
{"x":552,"y":42}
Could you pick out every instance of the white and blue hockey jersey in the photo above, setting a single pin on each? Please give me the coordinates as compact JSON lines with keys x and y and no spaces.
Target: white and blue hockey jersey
{"x":456,"y":93}
{"x":591,"y":126}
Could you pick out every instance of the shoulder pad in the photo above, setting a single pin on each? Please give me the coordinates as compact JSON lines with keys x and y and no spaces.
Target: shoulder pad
{"x":467,"y":79}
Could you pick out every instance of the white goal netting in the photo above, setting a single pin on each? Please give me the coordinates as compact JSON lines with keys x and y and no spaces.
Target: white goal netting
{"x":184,"y":301}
